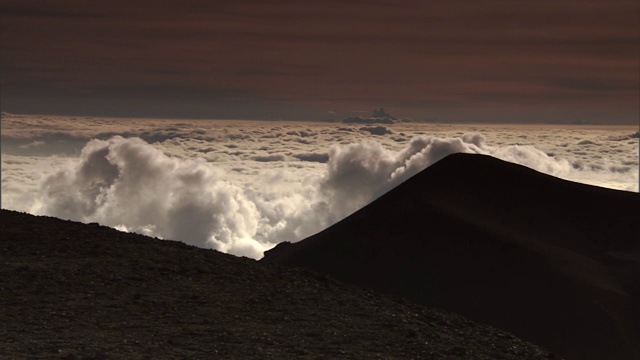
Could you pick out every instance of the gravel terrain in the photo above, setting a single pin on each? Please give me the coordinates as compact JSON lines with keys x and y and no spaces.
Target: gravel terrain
{"x":75,"y":291}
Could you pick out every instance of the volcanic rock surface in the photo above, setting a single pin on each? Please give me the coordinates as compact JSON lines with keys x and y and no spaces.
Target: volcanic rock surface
{"x":552,"y":261}
{"x":75,"y":291}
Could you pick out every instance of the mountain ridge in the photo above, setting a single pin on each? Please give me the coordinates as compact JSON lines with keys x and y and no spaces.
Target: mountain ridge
{"x":84,"y":291}
{"x":501,"y":244}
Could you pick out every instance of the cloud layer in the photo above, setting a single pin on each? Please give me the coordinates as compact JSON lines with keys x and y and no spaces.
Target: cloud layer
{"x":242,"y":188}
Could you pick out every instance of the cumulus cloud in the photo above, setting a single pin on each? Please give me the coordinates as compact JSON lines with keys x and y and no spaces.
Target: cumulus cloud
{"x":358,"y":173}
{"x":131,"y":185}
{"x":262,"y":193}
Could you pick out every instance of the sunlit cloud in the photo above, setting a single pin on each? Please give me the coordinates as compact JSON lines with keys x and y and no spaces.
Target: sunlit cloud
{"x":211,"y":184}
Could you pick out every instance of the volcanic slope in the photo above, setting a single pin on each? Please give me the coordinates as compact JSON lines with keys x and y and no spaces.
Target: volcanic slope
{"x":75,"y":291}
{"x":552,"y":261}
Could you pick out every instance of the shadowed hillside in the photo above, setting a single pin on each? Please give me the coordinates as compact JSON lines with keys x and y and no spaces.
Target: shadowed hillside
{"x":74,"y":291}
{"x":552,"y":261}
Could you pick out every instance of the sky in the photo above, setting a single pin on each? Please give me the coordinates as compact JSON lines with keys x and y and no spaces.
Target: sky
{"x":542,"y":61}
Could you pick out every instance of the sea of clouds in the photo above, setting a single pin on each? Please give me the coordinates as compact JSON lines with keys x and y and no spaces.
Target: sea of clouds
{"x":241,"y":187}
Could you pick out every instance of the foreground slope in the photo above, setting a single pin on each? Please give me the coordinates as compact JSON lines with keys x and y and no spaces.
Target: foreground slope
{"x":75,"y":291}
{"x":552,"y":261}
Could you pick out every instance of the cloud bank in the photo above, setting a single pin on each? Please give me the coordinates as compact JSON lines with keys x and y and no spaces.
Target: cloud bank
{"x":131,"y":185}
{"x":242,"y":187}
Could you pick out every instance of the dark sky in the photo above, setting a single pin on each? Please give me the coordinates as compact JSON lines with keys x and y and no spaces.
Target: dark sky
{"x":454,"y":60}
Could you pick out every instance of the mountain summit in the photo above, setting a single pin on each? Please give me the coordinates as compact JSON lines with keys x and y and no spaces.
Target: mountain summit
{"x":552,"y":261}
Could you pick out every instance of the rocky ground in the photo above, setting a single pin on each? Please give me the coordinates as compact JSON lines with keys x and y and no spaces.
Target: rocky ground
{"x":75,"y":291}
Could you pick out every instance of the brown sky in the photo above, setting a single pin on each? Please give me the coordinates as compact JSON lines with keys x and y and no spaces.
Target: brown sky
{"x":454,"y":60}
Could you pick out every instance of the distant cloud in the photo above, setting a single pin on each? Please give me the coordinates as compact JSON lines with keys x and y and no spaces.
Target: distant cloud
{"x":302,"y":133}
{"x":313,"y":157}
{"x":376,"y":130}
{"x":32,"y":144}
{"x":269,"y":158}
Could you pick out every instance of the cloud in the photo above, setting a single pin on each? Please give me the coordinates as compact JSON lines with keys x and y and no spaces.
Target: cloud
{"x":32,"y":144}
{"x":239,"y":205}
{"x":301,"y":133}
{"x":359,"y":173}
{"x":129,"y":184}
{"x":313,"y":157}
{"x":269,"y":158}
{"x":132,"y":185}
{"x":376,"y":130}
{"x":62,"y":143}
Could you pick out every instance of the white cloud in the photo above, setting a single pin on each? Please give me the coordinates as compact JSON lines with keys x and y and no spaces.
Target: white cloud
{"x":210,"y":191}
{"x":132,"y":185}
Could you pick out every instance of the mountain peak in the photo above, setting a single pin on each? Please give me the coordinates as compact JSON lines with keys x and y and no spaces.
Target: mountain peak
{"x":550,"y":260}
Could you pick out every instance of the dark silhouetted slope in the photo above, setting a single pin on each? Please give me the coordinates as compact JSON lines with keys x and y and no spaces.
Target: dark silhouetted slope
{"x":75,"y":291}
{"x":552,"y":261}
